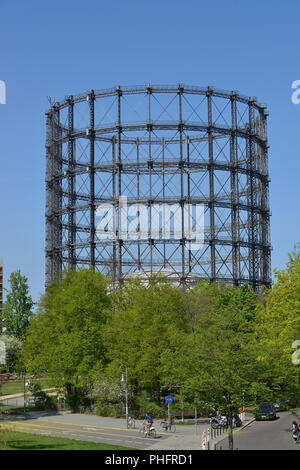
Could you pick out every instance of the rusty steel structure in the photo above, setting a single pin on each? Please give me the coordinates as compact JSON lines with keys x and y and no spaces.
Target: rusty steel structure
{"x":160,"y":145}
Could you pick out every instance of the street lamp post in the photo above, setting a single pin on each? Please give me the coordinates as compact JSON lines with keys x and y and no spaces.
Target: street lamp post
{"x":125,"y":379}
{"x":196,"y":419}
{"x":24,"y":391}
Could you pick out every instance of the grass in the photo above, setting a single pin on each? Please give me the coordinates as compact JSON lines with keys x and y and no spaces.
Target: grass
{"x":294,"y":412}
{"x":25,"y":441}
{"x":17,"y":410}
{"x":187,"y":423}
{"x":10,"y":387}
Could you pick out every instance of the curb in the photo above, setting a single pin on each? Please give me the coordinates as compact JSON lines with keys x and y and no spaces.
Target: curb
{"x":236,"y":430}
{"x":245,"y":425}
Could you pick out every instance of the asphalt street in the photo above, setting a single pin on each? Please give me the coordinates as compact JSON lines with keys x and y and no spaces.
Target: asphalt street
{"x":258,"y":435}
{"x":266,"y":435}
{"x":106,"y":430}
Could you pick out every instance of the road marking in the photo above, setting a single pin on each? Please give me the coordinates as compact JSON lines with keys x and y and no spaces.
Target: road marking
{"x":27,"y":425}
{"x":65,"y":423}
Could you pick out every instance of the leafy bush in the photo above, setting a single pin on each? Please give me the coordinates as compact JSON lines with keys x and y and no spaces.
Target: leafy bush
{"x":143,"y":406}
{"x":108,"y":391}
{"x":103,"y":409}
{"x":13,"y":348}
{"x":77,"y":398}
{"x":41,"y":399}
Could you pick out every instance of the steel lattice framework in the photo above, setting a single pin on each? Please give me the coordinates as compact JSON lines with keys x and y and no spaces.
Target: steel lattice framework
{"x":160,"y":145}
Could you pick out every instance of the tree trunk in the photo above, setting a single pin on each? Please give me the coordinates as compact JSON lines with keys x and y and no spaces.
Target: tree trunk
{"x":69,"y":389}
{"x":230,"y":433}
{"x":157,"y":391}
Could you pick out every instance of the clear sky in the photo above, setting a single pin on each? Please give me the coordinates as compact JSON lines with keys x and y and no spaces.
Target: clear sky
{"x":57,"y":48}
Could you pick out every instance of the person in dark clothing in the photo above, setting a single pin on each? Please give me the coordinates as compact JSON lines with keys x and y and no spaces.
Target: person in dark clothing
{"x":295,"y":431}
{"x":148,"y":421}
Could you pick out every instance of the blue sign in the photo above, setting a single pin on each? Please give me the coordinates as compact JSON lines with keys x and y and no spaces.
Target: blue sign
{"x":169,"y":399}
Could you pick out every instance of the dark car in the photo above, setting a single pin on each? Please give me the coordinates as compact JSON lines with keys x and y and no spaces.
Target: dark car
{"x":280,"y":405}
{"x":265,"y":411}
{"x":287,"y":403}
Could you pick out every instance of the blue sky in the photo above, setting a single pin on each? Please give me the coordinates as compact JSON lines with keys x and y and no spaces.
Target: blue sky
{"x":56,"y":48}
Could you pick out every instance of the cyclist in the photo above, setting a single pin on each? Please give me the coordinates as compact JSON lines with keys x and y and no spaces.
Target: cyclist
{"x":295,"y":431}
{"x":148,"y":421}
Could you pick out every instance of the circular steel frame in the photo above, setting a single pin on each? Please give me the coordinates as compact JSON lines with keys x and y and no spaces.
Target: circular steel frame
{"x":160,"y":145}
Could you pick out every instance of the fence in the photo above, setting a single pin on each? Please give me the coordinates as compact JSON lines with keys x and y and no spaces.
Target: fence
{"x":210,"y":435}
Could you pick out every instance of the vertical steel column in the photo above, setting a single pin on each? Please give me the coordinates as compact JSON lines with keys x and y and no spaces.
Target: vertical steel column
{"x":266,"y":269}
{"x":260,"y":201}
{"x":248,"y":196}
{"x":71,"y":185}
{"x":91,"y":100}
{"x":189,"y":194}
{"x":58,"y":195}
{"x":211,"y":185}
{"x":120,"y":240}
{"x":115,"y":205}
{"x":49,"y":197}
{"x":181,"y":167}
{"x":234,"y":192}
{"x":164,"y":192}
{"x":53,"y":195}
{"x":150,"y":166}
{"x":253,"y":202}
{"x":138,"y":199}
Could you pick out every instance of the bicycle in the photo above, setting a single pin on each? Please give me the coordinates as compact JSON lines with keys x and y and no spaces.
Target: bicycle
{"x":131,"y":422}
{"x":147,"y":432}
{"x":168,"y":425}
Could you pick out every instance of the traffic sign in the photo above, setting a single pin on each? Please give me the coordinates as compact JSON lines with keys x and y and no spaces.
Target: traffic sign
{"x":169,"y":399}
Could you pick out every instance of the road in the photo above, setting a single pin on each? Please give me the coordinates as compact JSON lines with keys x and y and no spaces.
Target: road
{"x":266,"y":435}
{"x":85,"y":432}
{"x":98,"y":429}
{"x":258,"y":435}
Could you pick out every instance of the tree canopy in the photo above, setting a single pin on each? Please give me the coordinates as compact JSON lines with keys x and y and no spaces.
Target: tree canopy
{"x":228,"y":346}
{"x":144,"y":322}
{"x":216,"y":360}
{"x":17,"y":309}
{"x":65,"y":336}
{"x":278,"y":327}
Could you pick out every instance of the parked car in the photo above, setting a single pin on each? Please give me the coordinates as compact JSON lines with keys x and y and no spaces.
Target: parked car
{"x":280,"y":405}
{"x":287,"y":403}
{"x":265,"y":411}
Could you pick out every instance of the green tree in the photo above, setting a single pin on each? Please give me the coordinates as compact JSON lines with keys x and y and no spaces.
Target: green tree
{"x":216,"y":360}
{"x":17,"y":309}
{"x":278,"y":327}
{"x":143,"y":323}
{"x":65,"y":336}
{"x":13,"y":349}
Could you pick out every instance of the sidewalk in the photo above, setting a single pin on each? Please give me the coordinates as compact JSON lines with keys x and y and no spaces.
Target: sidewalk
{"x":21,"y":394}
{"x":192,"y":441}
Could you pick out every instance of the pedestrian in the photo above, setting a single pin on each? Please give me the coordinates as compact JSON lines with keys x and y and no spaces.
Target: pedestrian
{"x":295,"y":432}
